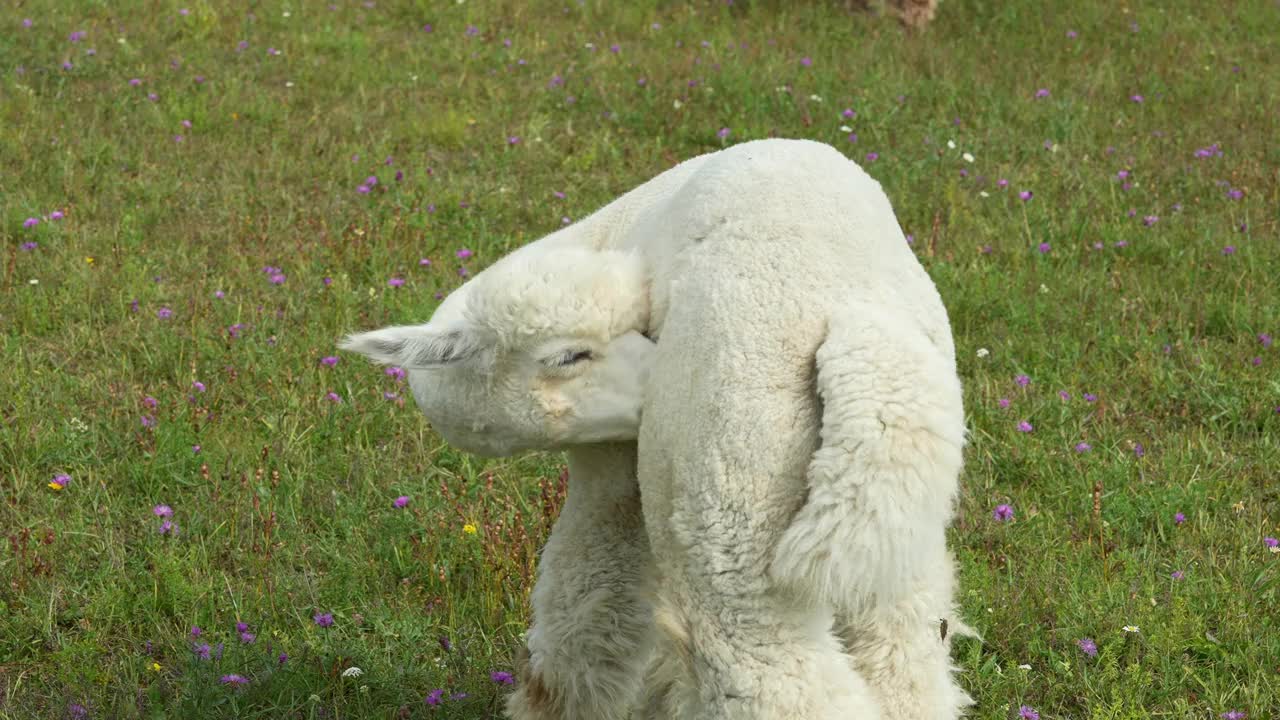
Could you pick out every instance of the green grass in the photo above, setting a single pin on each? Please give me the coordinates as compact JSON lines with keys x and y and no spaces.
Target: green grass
{"x":287,"y":511}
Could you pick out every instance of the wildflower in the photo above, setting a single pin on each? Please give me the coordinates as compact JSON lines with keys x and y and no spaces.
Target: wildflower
{"x":983,"y":352}
{"x":247,"y":637}
{"x":1003,"y":513}
{"x":155,"y":666}
{"x":1064,"y":395}
{"x":500,"y":677}
{"x":1045,"y":248}
{"x":395,"y":282}
{"x":201,"y":651}
{"x":458,"y":696}
{"x":1235,"y":193}
{"x":164,"y":313}
{"x":333,"y":397}
{"x":235,"y":680}
{"x":1179,"y":518}
{"x":513,"y":140}
{"x":469,"y":529}
{"x":873,"y":156}
{"x":1072,"y":34}
{"x":1022,"y":380}
{"x":1025,"y":427}
{"x":163,"y":511}
{"x":329,"y":361}
{"x":1138,"y":450}
{"x":848,"y":114}
{"x":1089,"y":397}
{"x":324,"y":620}
{"x":1265,"y":339}
{"x":242,"y":626}
{"x":283,"y":658}
{"x":1271,"y":542}
{"x":1083,"y":447}
{"x":31,"y":222}
{"x":806,"y":61}
{"x":1042,"y":93}
{"x":1229,"y":250}
{"x":463,"y":254}
{"x":148,"y":421}
{"x":1131,"y":629}
{"x":30,"y":245}
{"x":1026,"y":713}
{"x":1003,"y":403}
{"x":1177,"y":575}
{"x":445,"y":644}
{"x":401,"y":501}
{"x":723,"y":133}
{"x":59,"y":481}
{"x":968,"y":157}
{"x":1025,"y":195}
{"x":1233,"y":715}
{"x":363,"y":189}
{"x":1087,"y":646}
{"x":352,"y":671}
{"x":196,"y":631}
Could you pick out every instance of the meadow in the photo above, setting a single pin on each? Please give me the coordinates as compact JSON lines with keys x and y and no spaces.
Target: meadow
{"x":208,"y":512}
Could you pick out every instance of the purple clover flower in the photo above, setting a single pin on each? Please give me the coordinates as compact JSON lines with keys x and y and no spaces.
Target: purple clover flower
{"x":323,"y":620}
{"x":1003,"y":513}
{"x":401,"y":501}
{"x":1088,"y":646}
{"x":502,"y":678}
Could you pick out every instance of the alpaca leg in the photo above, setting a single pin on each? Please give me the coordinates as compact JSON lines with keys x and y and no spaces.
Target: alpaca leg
{"x":591,"y":634}
{"x":903,"y":649}
{"x":871,"y":536}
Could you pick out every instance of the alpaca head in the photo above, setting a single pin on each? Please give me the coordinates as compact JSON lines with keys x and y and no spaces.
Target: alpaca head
{"x":540,"y":351}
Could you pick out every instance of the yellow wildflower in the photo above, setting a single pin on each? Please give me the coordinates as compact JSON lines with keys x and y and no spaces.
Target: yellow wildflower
{"x":155,"y":666}
{"x":469,"y":529}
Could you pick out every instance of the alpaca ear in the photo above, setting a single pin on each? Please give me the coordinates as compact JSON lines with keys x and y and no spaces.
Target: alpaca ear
{"x":416,"y":346}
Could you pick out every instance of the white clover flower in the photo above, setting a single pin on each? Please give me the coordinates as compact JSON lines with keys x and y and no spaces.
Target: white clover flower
{"x":352,"y":671}
{"x":983,"y":352}
{"x":846,"y":129}
{"x":951,"y":144}
{"x":983,"y":193}
{"x":968,"y":157}
{"x":816,"y":98}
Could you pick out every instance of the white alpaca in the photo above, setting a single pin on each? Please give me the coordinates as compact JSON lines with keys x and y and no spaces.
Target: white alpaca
{"x":800,"y":441}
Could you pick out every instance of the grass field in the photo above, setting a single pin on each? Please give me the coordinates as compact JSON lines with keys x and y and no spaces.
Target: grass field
{"x":198,"y":198}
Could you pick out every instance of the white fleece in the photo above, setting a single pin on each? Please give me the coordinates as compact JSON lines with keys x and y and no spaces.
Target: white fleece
{"x":799,"y":445}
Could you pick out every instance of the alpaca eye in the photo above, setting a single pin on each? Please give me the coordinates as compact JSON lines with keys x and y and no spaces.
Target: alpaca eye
{"x":574,"y":357}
